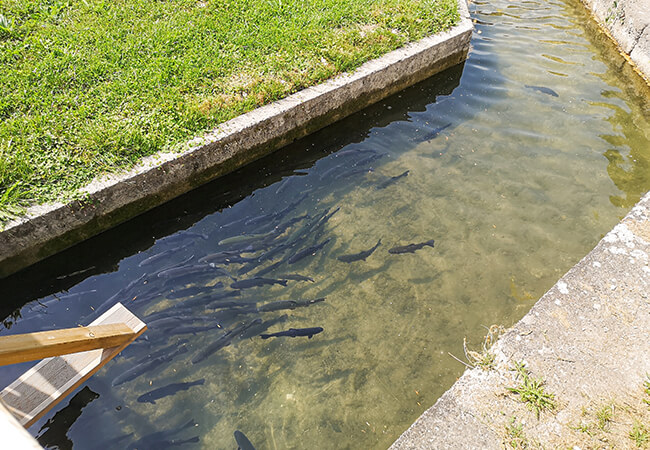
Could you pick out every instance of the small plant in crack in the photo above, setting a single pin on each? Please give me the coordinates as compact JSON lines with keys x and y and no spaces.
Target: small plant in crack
{"x":531,"y":391}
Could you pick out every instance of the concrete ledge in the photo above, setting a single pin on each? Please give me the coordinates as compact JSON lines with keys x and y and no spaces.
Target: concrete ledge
{"x":49,"y":229}
{"x":628,"y":23}
{"x":588,"y":337}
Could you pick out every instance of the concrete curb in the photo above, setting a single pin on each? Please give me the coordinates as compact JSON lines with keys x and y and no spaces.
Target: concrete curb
{"x":49,"y":229}
{"x":627,"y":22}
{"x":587,"y":337}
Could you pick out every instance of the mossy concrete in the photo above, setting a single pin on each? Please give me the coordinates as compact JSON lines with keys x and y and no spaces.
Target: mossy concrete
{"x":588,"y":338}
{"x":107,"y":202}
{"x":628,"y":24}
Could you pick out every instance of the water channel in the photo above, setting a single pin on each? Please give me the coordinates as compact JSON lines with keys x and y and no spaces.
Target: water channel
{"x":518,"y":162}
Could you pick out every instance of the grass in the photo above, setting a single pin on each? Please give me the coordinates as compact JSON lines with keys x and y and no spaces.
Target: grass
{"x":484,"y":358}
{"x":640,"y":434}
{"x":531,"y":391}
{"x":515,"y":436}
{"x":90,"y":86}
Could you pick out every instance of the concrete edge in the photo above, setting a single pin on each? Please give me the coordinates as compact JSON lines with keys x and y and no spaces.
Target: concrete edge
{"x":564,"y":339}
{"x":627,"y":23}
{"x":109,"y":201}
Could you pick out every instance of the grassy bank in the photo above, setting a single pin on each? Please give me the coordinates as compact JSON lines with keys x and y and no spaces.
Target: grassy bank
{"x":91,"y":86}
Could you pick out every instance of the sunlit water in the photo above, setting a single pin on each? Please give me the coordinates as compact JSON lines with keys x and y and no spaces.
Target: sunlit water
{"x":514,"y":183}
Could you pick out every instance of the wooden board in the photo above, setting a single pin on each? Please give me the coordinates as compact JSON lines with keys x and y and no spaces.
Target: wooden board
{"x":44,"y":385}
{"x":44,"y":344}
{"x":14,"y":434}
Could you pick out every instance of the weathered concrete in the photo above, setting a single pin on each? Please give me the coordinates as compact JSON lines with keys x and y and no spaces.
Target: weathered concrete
{"x":588,"y":337}
{"x":48,"y":229}
{"x":628,"y":23}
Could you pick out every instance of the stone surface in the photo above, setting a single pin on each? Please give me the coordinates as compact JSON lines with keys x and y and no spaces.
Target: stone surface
{"x":628,"y":23}
{"x":48,"y":229}
{"x":588,"y":338}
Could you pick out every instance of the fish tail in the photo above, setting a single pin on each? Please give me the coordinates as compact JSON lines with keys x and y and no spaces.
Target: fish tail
{"x":430,"y":243}
{"x":283,"y":282}
{"x":199,"y":382}
{"x":265,"y":336}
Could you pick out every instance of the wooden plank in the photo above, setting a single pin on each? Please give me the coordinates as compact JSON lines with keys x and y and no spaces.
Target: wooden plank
{"x":44,"y":344}
{"x":48,"y":382}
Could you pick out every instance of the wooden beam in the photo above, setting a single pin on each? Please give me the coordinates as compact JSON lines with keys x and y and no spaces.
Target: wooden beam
{"x":33,"y":346}
{"x":14,"y":434}
{"x":48,"y":382}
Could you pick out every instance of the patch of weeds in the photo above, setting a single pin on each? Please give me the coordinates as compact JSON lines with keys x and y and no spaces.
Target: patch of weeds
{"x":484,"y":358}
{"x":640,"y":435}
{"x":515,"y":437}
{"x":646,"y":390}
{"x":531,"y":391}
{"x":604,"y":416}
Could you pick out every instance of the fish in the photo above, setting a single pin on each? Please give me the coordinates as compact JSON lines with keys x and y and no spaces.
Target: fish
{"x":331,"y":170}
{"x":164,"y":439}
{"x":369,"y":159}
{"x":361,"y":256}
{"x":223,"y":341}
{"x":245,"y":238}
{"x":433,"y":134}
{"x":259,"y":219}
{"x":190,"y":270}
{"x":190,"y":291}
{"x":307,"y":251}
{"x":242,"y":441}
{"x":257,"y":329}
{"x":146,"y":366}
{"x":295,"y":277}
{"x":269,"y":268}
{"x":255,"y":282}
{"x":226,"y":257}
{"x":152,"y":259}
{"x":410,"y":248}
{"x":353,"y":171}
{"x":543,"y":90}
{"x":182,"y":235}
{"x":294,"y":332}
{"x":288,"y":304}
{"x":391,"y":180}
{"x":187,"y":329}
{"x":166,"y":391}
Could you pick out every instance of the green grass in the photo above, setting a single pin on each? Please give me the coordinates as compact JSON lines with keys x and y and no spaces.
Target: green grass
{"x":89,"y":86}
{"x":531,"y":391}
{"x":640,"y":434}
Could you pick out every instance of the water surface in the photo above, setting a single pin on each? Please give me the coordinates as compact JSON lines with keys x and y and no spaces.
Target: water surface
{"x":519,"y":161}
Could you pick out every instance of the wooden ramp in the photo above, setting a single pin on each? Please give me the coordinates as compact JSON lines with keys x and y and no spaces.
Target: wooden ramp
{"x":48,"y":382}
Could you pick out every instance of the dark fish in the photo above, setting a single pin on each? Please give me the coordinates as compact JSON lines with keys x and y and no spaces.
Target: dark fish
{"x":369,"y":159}
{"x":161,"y":255}
{"x":256,"y":281}
{"x":223,"y":341}
{"x":331,"y":170}
{"x":307,"y":252}
{"x":188,"y":292}
{"x":192,"y":270}
{"x":289,"y":223}
{"x":353,"y":171}
{"x":166,"y":391}
{"x":411,"y":248}
{"x":164,"y":439}
{"x":146,"y":366}
{"x":257,"y":329}
{"x":181,"y":236}
{"x":283,"y":185}
{"x":269,"y":268}
{"x":293,"y":332}
{"x":259,"y":219}
{"x":191,"y":329}
{"x":433,"y":134}
{"x":288,"y":304}
{"x":227,"y":305}
{"x":391,"y":180}
{"x":361,"y":256}
{"x":543,"y":90}
{"x":226,"y":257}
{"x":242,"y":441}
{"x":296,"y":277}
{"x":353,"y":151}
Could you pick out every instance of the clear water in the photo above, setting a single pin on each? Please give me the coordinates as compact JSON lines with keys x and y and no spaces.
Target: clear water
{"x":515,"y":190}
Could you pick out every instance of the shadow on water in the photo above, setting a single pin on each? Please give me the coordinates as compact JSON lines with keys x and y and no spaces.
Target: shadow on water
{"x":54,"y":433}
{"x":102,"y":254}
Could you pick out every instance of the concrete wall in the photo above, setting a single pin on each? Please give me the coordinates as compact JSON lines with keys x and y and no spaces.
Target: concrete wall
{"x":628,"y":23}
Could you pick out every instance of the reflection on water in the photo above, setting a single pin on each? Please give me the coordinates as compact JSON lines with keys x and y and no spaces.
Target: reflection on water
{"x":508,"y":164}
